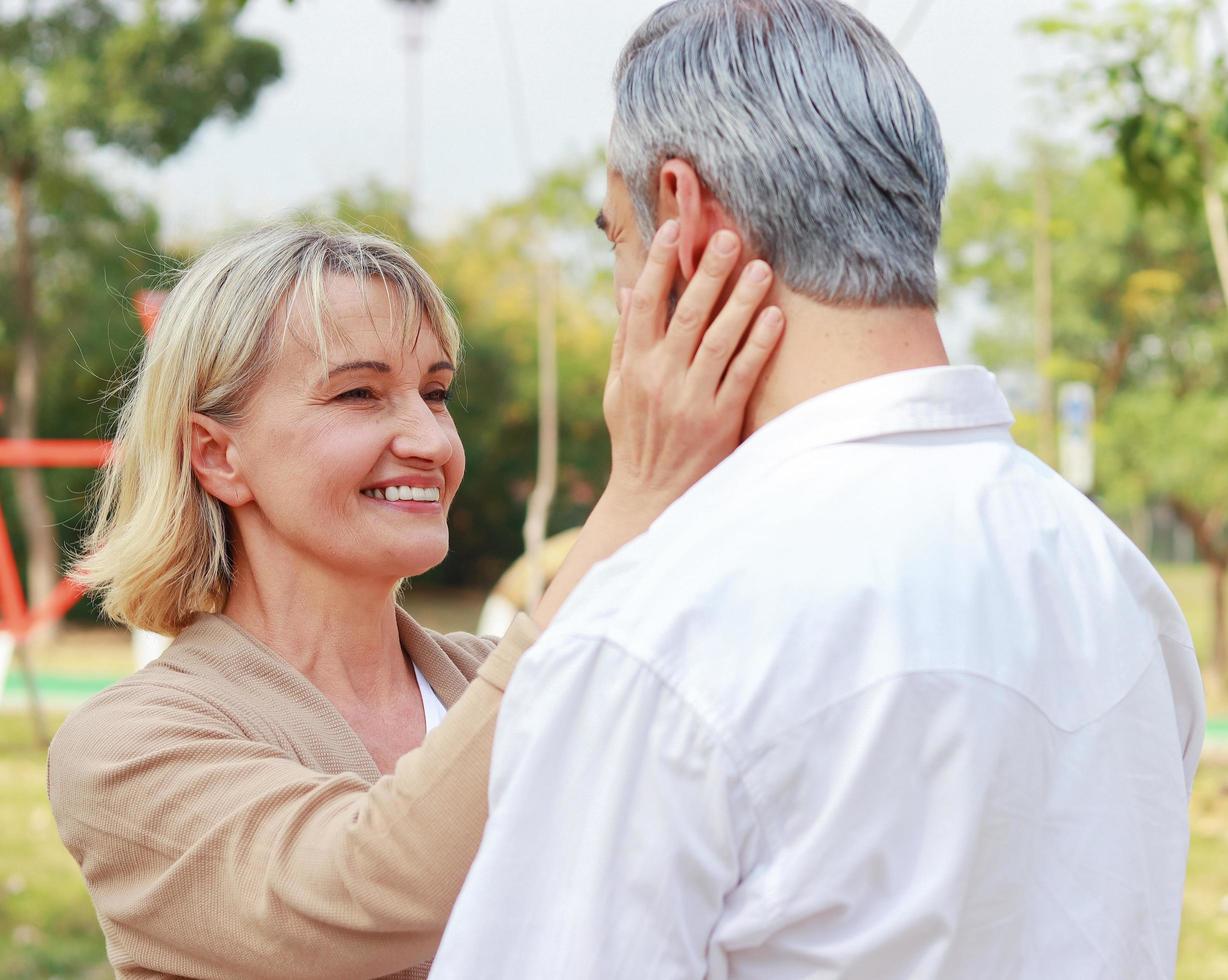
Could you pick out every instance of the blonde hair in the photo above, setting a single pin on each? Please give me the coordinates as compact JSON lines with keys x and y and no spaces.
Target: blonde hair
{"x":159,"y":551}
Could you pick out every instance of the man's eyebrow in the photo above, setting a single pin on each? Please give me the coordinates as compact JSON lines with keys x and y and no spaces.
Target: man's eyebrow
{"x":378,"y":366}
{"x":602,"y":224}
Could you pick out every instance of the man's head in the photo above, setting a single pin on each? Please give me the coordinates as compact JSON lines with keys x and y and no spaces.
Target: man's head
{"x":796,"y":123}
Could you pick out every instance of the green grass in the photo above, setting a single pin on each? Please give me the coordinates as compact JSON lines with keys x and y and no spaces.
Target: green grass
{"x":48,"y":928}
{"x":1191,"y":585}
{"x":1204,"y":926}
{"x":47,"y":925}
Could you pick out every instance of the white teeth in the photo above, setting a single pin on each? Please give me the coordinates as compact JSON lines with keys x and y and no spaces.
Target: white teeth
{"x":427,"y":495}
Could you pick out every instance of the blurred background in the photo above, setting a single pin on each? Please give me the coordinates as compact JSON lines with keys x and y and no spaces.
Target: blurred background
{"x":1085,"y":260}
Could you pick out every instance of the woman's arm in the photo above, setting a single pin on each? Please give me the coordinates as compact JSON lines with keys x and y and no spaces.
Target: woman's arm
{"x":676,"y":397}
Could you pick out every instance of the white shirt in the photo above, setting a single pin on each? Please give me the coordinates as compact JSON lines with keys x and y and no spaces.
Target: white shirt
{"x":432,"y":708}
{"x":881,"y":698}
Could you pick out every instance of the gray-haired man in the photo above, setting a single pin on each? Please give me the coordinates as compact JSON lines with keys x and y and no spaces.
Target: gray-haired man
{"x":881,"y":697}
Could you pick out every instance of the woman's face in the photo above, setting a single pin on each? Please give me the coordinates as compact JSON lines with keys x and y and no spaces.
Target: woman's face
{"x":352,"y":470}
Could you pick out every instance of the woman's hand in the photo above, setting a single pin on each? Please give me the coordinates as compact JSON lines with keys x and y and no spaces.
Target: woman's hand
{"x":678,"y":388}
{"x":676,"y":397}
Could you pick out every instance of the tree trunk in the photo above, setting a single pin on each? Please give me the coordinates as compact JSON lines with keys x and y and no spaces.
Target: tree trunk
{"x":1042,"y":288}
{"x":538,"y":513}
{"x":1207,"y":528}
{"x":33,"y":510}
{"x":1217,"y":225}
{"x":1115,"y":367}
{"x":1219,"y":622}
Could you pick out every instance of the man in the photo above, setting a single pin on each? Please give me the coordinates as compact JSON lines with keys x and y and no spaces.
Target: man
{"x":882,"y":696}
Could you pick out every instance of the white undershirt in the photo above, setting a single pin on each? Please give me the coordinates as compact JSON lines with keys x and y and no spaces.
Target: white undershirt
{"x":432,"y":707}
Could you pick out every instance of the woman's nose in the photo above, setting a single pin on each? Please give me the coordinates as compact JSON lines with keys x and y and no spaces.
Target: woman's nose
{"x":421,"y":436}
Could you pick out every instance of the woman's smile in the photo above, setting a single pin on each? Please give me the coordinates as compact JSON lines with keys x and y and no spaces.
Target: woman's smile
{"x":410,"y":496}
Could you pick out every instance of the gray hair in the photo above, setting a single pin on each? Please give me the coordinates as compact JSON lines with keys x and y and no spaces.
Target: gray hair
{"x":806,"y":125}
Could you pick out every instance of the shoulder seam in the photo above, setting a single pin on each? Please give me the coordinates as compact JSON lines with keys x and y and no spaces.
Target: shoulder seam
{"x":716,"y":733}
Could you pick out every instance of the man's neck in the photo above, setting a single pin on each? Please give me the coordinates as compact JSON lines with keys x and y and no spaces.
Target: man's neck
{"x":826,"y":347}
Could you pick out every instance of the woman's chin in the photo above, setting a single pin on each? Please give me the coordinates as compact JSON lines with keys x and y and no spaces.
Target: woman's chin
{"x":421,"y":563}
{"x":389,"y":565}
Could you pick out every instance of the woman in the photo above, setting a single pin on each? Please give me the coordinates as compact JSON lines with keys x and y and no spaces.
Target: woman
{"x":263,"y":801}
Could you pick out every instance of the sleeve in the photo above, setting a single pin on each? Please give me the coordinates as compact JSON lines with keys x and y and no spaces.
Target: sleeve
{"x":211,"y":855}
{"x":617,"y":823}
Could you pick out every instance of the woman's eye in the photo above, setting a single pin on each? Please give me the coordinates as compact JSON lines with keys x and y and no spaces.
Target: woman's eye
{"x":441,"y":395}
{"x":356,"y":394}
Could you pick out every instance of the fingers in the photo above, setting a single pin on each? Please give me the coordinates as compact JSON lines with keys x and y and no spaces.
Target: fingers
{"x":750,"y":361}
{"x":646,"y":313}
{"x":722,"y":339}
{"x":694,"y":311}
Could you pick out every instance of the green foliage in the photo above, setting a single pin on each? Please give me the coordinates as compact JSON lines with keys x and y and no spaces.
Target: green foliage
{"x":1137,"y":312}
{"x":1162,"y":96}
{"x":1126,"y":278}
{"x":490,"y":271}
{"x":143,"y":82}
{"x":140,"y":77}
{"x":1182,"y":457}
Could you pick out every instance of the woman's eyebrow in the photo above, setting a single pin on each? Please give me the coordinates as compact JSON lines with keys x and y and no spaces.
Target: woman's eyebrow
{"x":441,"y":366}
{"x":379,"y":366}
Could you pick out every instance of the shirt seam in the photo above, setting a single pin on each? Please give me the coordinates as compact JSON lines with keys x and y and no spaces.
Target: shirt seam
{"x":1184,"y":644}
{"x":993,"y":682}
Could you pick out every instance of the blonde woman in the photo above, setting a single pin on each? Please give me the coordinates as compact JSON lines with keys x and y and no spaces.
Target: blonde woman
{"x":265,"y":799}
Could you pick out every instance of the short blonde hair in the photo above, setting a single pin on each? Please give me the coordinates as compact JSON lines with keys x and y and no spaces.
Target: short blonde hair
{"x":159,"y":551}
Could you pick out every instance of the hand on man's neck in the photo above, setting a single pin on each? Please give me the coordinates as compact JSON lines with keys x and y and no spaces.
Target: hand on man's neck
{"x":828,"y":347}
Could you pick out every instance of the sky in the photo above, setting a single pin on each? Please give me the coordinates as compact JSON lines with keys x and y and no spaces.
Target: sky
{"x":350,"y":109}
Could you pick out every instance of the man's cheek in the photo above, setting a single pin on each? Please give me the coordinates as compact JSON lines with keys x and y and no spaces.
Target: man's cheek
{"x":626,"y":273}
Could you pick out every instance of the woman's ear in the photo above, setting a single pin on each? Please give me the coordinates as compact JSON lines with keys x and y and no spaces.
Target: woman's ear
{"x":683,"y":196}
{"x":214,"y":461}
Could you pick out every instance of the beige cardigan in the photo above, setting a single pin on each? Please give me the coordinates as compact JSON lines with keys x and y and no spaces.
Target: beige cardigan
{"x":230,"y":824}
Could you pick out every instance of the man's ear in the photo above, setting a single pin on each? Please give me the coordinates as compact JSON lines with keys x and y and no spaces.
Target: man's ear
{"x":683,"y":196}
{"x":215,"y":461}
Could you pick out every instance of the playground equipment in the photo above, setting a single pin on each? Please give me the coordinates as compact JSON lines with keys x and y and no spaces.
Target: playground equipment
{"x":516,"y":592}
{"x":18,"y":622}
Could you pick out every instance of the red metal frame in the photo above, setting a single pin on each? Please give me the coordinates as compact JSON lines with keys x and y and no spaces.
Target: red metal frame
{"x":17,"y":618}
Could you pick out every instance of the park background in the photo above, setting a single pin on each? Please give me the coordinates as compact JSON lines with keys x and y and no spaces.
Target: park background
{"x":1086,"y":243}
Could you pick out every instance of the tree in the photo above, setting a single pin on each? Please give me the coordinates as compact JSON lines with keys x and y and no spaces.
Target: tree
{"x":1157,"y":75}
{"x":492,"y":270}
{"x":138,"y":77}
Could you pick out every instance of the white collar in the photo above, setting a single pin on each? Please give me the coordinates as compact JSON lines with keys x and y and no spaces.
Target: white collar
{"x":922,"y":400}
